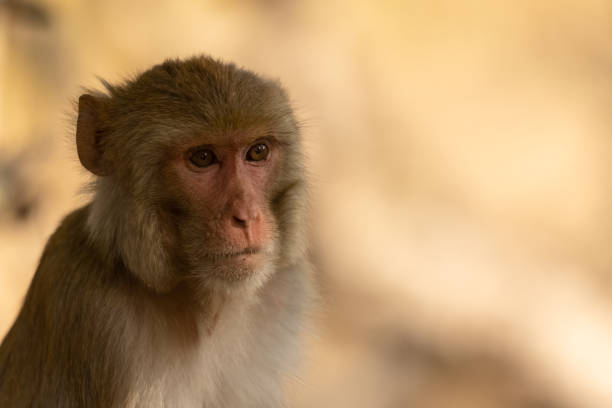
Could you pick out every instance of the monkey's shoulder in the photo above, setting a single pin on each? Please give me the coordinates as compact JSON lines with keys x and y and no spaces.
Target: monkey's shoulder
{"x":70,"y":262}
{"x":69,"y":235}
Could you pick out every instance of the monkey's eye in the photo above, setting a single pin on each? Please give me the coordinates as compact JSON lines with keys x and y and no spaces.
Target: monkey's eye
{"x":258,"y":152}
{"x":202,"y":157}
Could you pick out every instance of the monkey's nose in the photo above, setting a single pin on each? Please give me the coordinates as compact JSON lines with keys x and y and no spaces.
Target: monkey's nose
{"x":243,"y":213}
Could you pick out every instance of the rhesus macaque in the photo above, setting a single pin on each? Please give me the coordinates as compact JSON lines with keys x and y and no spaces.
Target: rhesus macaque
{"x":185,"y":281}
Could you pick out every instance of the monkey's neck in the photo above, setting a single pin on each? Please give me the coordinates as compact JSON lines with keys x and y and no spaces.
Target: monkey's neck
{"x":188,"y":314}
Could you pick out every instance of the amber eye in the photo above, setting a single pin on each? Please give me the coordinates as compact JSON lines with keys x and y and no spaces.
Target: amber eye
{"x":258,"y":152}
{"x":202,"y":157}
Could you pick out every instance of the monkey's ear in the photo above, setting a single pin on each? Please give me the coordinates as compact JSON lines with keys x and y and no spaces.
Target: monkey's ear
{"x":89,"y":136}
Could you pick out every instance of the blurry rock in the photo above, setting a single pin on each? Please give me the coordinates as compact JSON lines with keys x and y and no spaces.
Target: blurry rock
{"x":19,"y":197}
{"x":27,"y":12}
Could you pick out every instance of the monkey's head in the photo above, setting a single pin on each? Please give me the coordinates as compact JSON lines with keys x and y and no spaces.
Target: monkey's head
{"x":200,"y":174}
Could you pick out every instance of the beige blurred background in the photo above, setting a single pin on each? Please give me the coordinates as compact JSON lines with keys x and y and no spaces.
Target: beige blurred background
{"x":460,"y":154}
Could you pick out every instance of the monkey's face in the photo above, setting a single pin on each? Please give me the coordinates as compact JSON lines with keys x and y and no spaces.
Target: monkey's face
{"x":226,"y":229}
{"x":200,"y":173}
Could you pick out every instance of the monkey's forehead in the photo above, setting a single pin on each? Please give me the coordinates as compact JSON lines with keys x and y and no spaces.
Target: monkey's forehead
{"x":191,"y":120}
{"x":202,"y":105}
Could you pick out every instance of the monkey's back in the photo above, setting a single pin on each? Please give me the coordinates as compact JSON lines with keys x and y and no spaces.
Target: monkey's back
{"x":46,"y":357}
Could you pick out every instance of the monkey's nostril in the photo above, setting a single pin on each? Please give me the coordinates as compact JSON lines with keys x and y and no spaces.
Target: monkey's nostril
{"x":239,"y":221}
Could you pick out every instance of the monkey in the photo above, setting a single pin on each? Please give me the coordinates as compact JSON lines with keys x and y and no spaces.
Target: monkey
{"x":185,"y":282}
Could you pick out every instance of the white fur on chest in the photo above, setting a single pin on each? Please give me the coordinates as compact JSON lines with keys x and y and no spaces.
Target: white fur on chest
{"x":243,"y":362}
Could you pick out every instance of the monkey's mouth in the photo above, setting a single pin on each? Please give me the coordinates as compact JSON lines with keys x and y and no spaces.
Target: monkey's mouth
{"x":247,"y":251}
{"x":235,"y":254}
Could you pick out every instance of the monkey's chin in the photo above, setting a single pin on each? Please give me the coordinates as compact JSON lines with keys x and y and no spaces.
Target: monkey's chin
{"x":235,"y":269}
{"x":243,"y":266}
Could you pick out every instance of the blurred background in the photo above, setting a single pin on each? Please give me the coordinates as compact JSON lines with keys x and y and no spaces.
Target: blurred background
{"x":460,"y":156}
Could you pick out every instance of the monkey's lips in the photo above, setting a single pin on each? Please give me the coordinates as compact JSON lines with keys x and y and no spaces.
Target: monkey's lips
{"x":243,"y":253}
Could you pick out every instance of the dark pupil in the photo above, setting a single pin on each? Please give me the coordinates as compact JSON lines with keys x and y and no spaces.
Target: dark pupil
{"x":258,"y":151}
{"x":202,"y":158}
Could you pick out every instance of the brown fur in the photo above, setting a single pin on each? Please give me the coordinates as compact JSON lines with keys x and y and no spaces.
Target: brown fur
{"x":130,"y":306}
